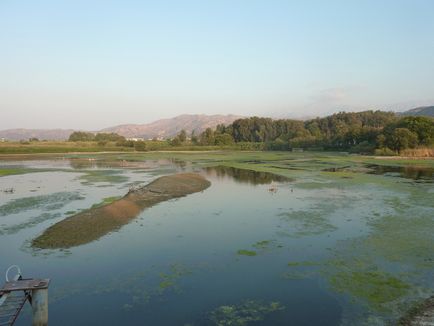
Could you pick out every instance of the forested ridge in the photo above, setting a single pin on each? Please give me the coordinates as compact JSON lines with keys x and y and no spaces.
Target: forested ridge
{"x":359,"y":132}
{"x":351,"y":131}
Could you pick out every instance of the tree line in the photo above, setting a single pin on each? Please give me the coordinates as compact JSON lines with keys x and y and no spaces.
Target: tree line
{"x":361,"y":132}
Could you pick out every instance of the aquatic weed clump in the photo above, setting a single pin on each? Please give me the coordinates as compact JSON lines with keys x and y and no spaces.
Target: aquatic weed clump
{"x":307,"y":222}
{"x":244,"y":313}
{"x":244,"y":252}
{"x":46,"y":202}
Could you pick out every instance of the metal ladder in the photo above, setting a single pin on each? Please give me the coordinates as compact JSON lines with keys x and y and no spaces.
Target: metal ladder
{"x":11,"y":307}
{"x":15,"y":293}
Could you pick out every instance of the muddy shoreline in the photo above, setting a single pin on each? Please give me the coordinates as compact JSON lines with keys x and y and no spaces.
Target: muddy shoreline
{"x":94,"y":223}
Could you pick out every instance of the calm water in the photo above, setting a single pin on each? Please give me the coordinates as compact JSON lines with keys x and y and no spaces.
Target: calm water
{"x":178,"y":263}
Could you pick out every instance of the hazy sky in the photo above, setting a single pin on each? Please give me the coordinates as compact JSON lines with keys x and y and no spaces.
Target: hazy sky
{"x":92,"y":64}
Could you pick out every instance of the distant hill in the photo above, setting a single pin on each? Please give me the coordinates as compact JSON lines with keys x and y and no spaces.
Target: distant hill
{"x":427,"y":111}
{"x":25,"y":134}
{"x":165,"y":128}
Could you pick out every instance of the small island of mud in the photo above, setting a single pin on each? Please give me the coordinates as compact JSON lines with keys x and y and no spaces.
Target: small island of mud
{"x":96,"y":222}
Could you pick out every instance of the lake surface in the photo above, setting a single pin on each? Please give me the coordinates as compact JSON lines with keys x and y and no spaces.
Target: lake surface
{"x":253,"y":249}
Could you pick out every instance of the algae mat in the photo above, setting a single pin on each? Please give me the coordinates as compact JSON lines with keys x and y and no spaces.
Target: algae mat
{"x":94,"y":223}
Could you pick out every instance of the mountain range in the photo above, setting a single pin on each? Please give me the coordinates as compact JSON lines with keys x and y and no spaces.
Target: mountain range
{"x":427,"y":111}
{"x":164,"y":128}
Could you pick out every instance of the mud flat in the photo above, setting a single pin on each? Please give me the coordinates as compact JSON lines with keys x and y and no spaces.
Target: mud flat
{"x":420,"y":315}
{"x":96,"y":222}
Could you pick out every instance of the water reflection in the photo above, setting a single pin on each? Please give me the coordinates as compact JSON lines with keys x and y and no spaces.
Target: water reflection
{"x":244,"y":176}
{"x":409,"y":172}
{"x":80,"y":164}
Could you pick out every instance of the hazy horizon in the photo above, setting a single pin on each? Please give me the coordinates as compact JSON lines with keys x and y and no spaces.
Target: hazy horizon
{"x":91,"y":65}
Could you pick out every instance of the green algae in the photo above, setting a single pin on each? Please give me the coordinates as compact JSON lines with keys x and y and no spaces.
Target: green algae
{"x":244,"y":252}
{"x":245,"y":313}
{"x":376,"y":287}
{"x":91,"y":177}
{"x":15,"y":228}
{"x":46,"y":202}
{"x":303,"y":263}
{"x":169,"y":279}
{"x":307,"y":222}
{"x":139,"y":287}
{"x":20,"y":170}
{"x":106,"y":201}
{"x":404,"y":239}
{"x":264,"y":244}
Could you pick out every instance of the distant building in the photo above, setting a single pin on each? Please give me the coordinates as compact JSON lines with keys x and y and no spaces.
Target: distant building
{"x":136,"y":139}
{"x":2,"y":140}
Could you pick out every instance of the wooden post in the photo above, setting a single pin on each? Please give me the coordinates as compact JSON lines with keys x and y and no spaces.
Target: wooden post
{"x":40,"y":307}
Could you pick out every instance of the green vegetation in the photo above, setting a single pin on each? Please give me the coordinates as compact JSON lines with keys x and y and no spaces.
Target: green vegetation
{"x":357,"y":132}
{"x":264,"y":244}
{"x":169,"y":280}
{"x":307,"y":223}
{"x":8,"y":171}
{"x":244,"y":252}
{"x":377,"y":288}
{"x":105,"y":201}
{"x":19,"y":170}
{"x":95,"y":176}
{"x":15,"y":228}
{"x":45,"y":202}
{"x":244,"y":313}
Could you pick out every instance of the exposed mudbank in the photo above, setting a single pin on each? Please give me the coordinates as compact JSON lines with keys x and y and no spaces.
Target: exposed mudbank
{"x":96,"y":222}
{"x":421,"y":314}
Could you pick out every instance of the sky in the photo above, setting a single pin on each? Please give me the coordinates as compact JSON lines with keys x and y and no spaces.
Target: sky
{"x":92,"y":64}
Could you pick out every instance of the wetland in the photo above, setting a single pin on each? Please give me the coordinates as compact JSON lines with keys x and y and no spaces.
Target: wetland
{"x":221,"y":238}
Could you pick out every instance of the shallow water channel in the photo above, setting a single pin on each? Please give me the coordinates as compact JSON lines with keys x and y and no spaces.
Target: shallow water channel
{"x":253,"y":249}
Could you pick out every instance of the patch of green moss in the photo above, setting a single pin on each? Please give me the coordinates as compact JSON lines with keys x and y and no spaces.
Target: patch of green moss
{"x":244,"y":252}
